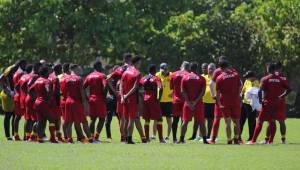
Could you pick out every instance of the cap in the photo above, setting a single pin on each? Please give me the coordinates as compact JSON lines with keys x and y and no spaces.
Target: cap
{"x":163,"y":66}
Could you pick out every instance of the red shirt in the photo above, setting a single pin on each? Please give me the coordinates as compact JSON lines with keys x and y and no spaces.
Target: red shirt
{"x":42,"y":88}
{"x":228,"y":86}
{"x":175,"y":83}
{"x":96,"y":81}
{"x":118,"y":72}
{"x":218,"y":72}
{"x":62,"y":86}
{"x":273,"y":86}
{"x":23,"y":82}
{"x":193,"y":84}
{"x":73,"y":87}
{"x":55,"y":88}
{"x":151,"y":84}
{"x":130,"y":77}
{"x":17,"y":77}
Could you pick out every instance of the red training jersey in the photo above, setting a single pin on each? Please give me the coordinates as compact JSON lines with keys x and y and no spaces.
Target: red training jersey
{"x":193,"y":84}
{"x":129,"y":78}
{"x":42,"y":88}
{"x":73,"y":87}
{"x":97,"y":82}
{"x":228,"y":85}
{"x":175,"y":83}
{"x":150,"y":83}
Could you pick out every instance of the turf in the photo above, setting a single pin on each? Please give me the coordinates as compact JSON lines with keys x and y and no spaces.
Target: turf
{"x":192,"y":155}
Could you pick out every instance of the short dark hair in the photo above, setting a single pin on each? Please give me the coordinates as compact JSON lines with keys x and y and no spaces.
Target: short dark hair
{"x":152,"y":68}
{"x":21,"y":63}
{"x":278,"y":65}
{"x":97,"y":65}
{"x":73,"y":66}
{"x":249,"y":74}
{"x":127,"y":56}
{"x":57,"y":68}
{"x":271,"y":67}
{"x":66,"y":67}
{"x":36,"y":67}
{"x":194,"y":67}
{"x":29,"y":68}
{"x":136,"y":59}
{"x":44,"y":71}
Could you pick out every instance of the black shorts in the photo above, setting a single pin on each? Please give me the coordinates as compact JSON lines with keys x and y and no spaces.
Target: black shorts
{"x":209,"y":110}
{"x":166,"y":109}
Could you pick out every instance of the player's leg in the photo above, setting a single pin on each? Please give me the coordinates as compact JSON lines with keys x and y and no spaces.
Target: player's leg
{"x":228,"y":129}
{"x":251,"y":123}
{"x":99,"y":128}
{"x":92,"y":124}
{"x":139,"y":127}
{"x":236,"y":127}
{"x":216,"y":124}
{"x":195,"y":130}
{"x":16,"y":128}
{"x":7,"y":117}
{"x":146,"y":128}
{"x":183,"y":131}
{"x":209,"y":115}
{"x":41,"y":123}
{"x":28,"y":128}
{"x":244,"y":115}
{"x":57,"y":129}
{"x":52,"y":130}
{"x":154,"y":130}
{"x":174,"y":128}
{"x":159,"y":127}
{"x":203,"y":132}
{"x":272,"y":130}
{"x":130,"y":126}
{"x":169,"y":124}
{"x":108,"y":123}
{"x":282,"y":130}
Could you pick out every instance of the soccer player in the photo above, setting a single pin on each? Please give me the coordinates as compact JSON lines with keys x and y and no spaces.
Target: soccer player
{"x":41,"y":89}
{"x":96,"y":83}
{"x":247,"y":111}
{"x":55,"y":99}
{"x":212,"y":86}
{"x":74,"y":106}
{"x":20,"y":66}
{"x":178,"y":99}
{"x":196,"y":124}
{"x":63,"y":98}
{"x":274,"y":89}
{"x":129,"y":86}
{"x":193,"y":88}
{"x":152,"y":110}
{"x":23,"y":83}
{"x":166,"y":97}
{"x":228,"y":86}
{"x":113,"y":82}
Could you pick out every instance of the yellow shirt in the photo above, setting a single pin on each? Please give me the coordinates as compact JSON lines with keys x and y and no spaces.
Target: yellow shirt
{"x":167,"y":92}
{"x":248,"y":85}
{"x":7,"y":102}
{"x":207,"y":97}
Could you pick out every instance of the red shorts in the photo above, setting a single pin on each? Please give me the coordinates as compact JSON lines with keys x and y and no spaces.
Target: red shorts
{"x":130,"y":110}
{"x":268,"y":112}
{"x":281,"y":111}
{"x":197,"y":113}
{"x":29,"y":111}
{"x":152,"y":110}
{"x":97,"y":108}
{"x":42,"y":109}
{"x":217,"y":112}
{"x":18,"y":110}
{"x":74,"y":112}
{"x":177,"y":109}
{"x":233,"y":111}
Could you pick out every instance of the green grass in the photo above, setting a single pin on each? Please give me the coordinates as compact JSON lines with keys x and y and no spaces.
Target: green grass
{"x":193,"y":155}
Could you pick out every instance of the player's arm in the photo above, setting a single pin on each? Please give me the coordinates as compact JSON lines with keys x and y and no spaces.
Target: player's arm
{"x":260,"y":92}
{"x":109,"y":84}
{"x":184,"y":94}
{"x":200,"y":95}
{"x":212,"y":89}
{"x":57,"y":91}
{"x":85,"y":88}
{"x":32,"y":93}
{"x":104,"y":86}
{"x":121,"y":89}
{"x":133,"y":89}
{"x":49,"y":91}
{"x":160,"y":89}
{"x":287,"y":91}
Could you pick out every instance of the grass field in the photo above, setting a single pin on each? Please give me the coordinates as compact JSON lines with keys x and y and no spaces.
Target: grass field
{"x":192,"y":155}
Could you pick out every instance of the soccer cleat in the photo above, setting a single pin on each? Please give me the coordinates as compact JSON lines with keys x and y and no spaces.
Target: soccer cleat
{"x":53,"y":140}
{"x":153,"y":138}
{"x":84,"y":140}
{"x":33,"y":138}
{"x":264,"y":142}
{"x":17,"y":138}
{"x":251,"y":143}
{"x":283,"y":141}
{"x":229,"y":142}
{"x":9,"y":138}
{"x":167,"y":138}
{"x":162,"y":141}
{"x":212,"y":142}
{"x":144,"y":140}
{"x":198,"y":138}
{"x":181,"y":142}
{"x":193,"y":138}
{"x":205,"y":142}
{"x":236,"y":141}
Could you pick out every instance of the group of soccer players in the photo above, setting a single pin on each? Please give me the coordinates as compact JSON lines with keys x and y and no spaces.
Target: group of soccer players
{"x":57,"y":94}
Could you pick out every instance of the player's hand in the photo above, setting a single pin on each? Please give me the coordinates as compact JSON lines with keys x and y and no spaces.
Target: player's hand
{"x":190,"y":105}
{"x":122,"y":100}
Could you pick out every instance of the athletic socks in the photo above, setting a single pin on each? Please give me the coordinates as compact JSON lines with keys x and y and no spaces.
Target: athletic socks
{"x":215,"y":129}
{"x":160,"y":131}
{"x":256,"y":132}
{"x":272,"y":132}
{"x":52,"y":133}
{"x":174,"y":128}
{"x":146,"y":128}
